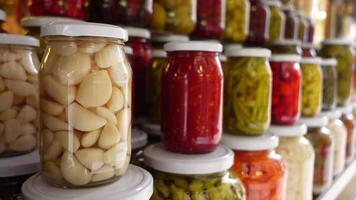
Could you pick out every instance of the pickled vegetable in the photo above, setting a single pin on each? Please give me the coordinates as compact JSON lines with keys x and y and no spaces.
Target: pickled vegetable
{"x":329,"y":84}
{"x":237,"y":20}
{"x":277,"y":21}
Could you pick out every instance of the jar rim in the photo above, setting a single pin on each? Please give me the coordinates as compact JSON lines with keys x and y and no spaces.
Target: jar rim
{"x":169,"y":38}
{"x":193,"y":46}
{"x":247,"y":52}
{"x":248,"y":143}
{"x":159,"y":53}
{"x":314,"y":122}
{"x":138,"y":32}
{"x":329,"y":62}
{"x":288,"y":131}
{"x":12,"y":39}
{"x":2,"y":15}
{"x":139,"y":139}
{"x":285,"y":58}
{"x":34,"y":21}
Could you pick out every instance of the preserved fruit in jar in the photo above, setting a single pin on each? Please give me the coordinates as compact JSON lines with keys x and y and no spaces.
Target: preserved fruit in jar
{"x":349,"y":121}
{"x":191,"y":96}
{"x":308,"y":50}
{"x":286,"y":47}
{"x":328,"y":67}
{"x":312,"y":86}
{"x":286,"y":89}
{"x":180,"y":176}
{"x":260,"y":169}
{"x":259,"y":24}
{"x":247,"y":91}
{"x":277,"y":21}
{"x":19,"y":109}
{"x":85,"y":98}
{"x":158,"y":40}
{"x":292,"y":23}
{"x":299,"y":156}
{"x":237,"y":20}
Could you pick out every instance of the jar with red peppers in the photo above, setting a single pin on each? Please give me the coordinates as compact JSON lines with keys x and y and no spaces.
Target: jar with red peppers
{"x":260,"y":169}
{"x":323,"y":143}
{"x":292,"y":23}
{"x":210,"y":19}
{"x":158,"y":40}
{"x":311,"y":30}
{"x":349,"y":121}
{"x":308,"y":50}
{"x":259,"y":23}
{"x":2,"y":20}
{"x":286,"y":47}
{"x":141,"y":63}
{"x":303,"y":27}
{"x":192,"y":89}
{"x":237,"y":20}
{"x":66,"y":8}
{"x":286,"y":89}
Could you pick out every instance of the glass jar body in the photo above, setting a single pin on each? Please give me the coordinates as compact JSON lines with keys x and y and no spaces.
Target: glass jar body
{"x":329,"y":87}
{"x":349,"y":123}
{"x":277,"y":24}
{"x":259,"y":23}
{"x":66,"y":8}
{"x":292,"y":25}
{"x":303,"y":29}
{"x":237,"y":20}
{"x":85,"y":97}
{"x":247,"y":95}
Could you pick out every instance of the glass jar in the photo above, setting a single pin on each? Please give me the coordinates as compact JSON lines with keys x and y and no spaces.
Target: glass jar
{"x":308,"y":50}
{"x":349,"y":121}
{"x":192,"y":89}
{"x":141,"y":64}
{"x":286,"y":89}
{"x":342,"y":51}
{"x":299,"y":156}
{"x":259,"y":24}
{"x":19,"y":109}
{"x":261,"y":170}
{"x":158,"y":40}
{"x":321,"y":139}
{"x":247,"y":91}
{"x":311,"y":30}
{"x":210,"y":19}
{"x":85,"y":98}
{"x":138,"y":142}
{"x":180,"y":176}
{"x":277,"y":21}
{"x":66,"y":8}
{"x":2,"y":20}
{"x":328,"y":67}
{"x":303,"y":27}
{"x":176,"y":16}
{"x":286,"y":47}
{"x":237,"y":20}
{"x":312,"y":86}
{"x":292,"y":23}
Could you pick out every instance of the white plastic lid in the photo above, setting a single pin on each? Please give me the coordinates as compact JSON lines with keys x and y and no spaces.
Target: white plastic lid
{"x":41,"y":21}
{"x":76,"y":29}
{"x":273,"y":3}
{"x":159,"y":53}
{"x":232,"y":45}
{"x":12,"y":39}
{"x":138,"y":32}
{"x":139,"y":138}
{"x":160,"y":159}
{"x":337,"y":41}
{"x":248,"y":143}
{"x":136,"y":184}
{"x":287,"y":42}
{"x":128,"y":50}
{"x":318,"y":121}
{"x":222,"y":58}
{"x":329,"y":62}
{"x":308,"y":45}
{"x":152,"y":129}
{"x":311,"y":60}
{"x":247,"y":52}
{"x":285,"y":58}
{"x":20,"y":165}
{"x":2,"y":15}
{"x":288,"y":131}
{"x":193,"y":46}
{"x":169,"y":38}
{"x":333,"y":114}
{"x":287,"y":7}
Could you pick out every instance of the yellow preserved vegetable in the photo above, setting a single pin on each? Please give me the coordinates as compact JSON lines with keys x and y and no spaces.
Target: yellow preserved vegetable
{"x":277,"y":21}
{"x":237,"y":20}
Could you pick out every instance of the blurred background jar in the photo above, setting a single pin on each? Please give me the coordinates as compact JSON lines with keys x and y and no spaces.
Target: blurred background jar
{"x":277,"y":21}
{"x":308,"y":50}
{"x":286,"y":46}
{"x":259,"y":23}
{"x":237,"y":21}
{"x":292,"y":23}
{"x":328,"y":67}
{"x":303,"y":29}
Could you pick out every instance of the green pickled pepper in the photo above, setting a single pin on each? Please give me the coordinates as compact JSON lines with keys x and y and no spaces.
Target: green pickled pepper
{"x":277,"y":24}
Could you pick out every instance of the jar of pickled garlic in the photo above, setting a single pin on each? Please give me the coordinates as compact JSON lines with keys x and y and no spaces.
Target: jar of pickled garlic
{"x":66,"y":8}
{"x":277,"y":21}
{"x":303,"y":27}
{"x":247,"y":91}
{"x":349,"y":121}
{"x":261,"y":170}
{"x":323,"y":143}
{"x":328,"y":67}
{"x":308,"y":50}
{"x":192,"y":89}
{"x":181,"y":176}
{"x":341,"y":50}
{"x":158,"y":40}
{"x":292,"y":23}
{"x":286,"y":47}
{"x":154,"y":78}
{"x":299,"y":156}
{"x":141,"y":64}
{"x":85,"y":98}
{"x":19,"y":109}
{"x":138,"y":142}
{"x":237,"y":20}
{"x":339,"y":133}
{"x":2,"y":20}
{"x":259,"y":23}
{"x":312,"y":86}
{"x":311,"y":30}
{"x":286,"y":88}
{"x":176,"y":16}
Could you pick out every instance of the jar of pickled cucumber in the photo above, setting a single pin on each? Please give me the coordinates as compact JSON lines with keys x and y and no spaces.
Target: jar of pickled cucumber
{"x":277,"y":21}
{"x":19,"y":109}
{"x":349,"y":121}
{"x":181,"y":176}
{"x":312,"y":86}
{"x":311,"y":30}
{"x":286,"y":47}
{"x":292,"y":23}
{"x":176,"y":16}
{"x":192,"y":89}
{"x":286,"y":88}
{"x":303,"y":26}
{"x":85,"y":98}
{"x":342,"y":51}
{"x":138,"y":142}
{"x":328,"y":67}
{"x":158,"y":40}
{"x":261,"y":170}
{"x":259,"y":23}
{"x":237,"y":20}
{"x":2,"y":20}
{"x":321,"y":139}
{"x":299,"y":156}
{"x":308,"y":50}
{"x":247,"y":91}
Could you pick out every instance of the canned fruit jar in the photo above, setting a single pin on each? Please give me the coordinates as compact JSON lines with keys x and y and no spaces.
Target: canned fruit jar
{"x":259,"y":24}
{"x":85,"y":98}
{"x":19,"y":110}
{"x":237,"y":20}
{"x":277,"y":21}
{"x":191,"y":96}
{"x":247,"y":92}
{"x":286,"y":46}
{"x":328,"y":67}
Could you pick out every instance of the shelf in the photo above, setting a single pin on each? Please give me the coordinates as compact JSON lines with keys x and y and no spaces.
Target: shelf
{"x":340,"y":183}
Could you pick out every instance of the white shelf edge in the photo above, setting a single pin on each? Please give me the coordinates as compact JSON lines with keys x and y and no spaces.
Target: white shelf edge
{"x":340,"y":183}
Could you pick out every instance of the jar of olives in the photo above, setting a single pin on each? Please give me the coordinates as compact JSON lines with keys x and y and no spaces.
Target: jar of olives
{"x":308,"y":50}
{"x":247,"y":91}
{"x":328,"y":67}
{"x":237,"y":20}
{"x":321,"y":139}
{"x":277,"y":21}
{"x":85,"y":98}
{"x":176,"y":16}
{"x":312,"y":86}
{"x":180,"y":176}
{"x":158,"y":40}
{"x":342,"y":51}
{"x":259,"y":23}
{"x":349,"y":121}
{"x":299,"y":156}
{"x":286,"y":47}
{"x":261,"y":170}
{"x":138,"y":142}
{"x":2,"y":20}
{"x":292,"y":23}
